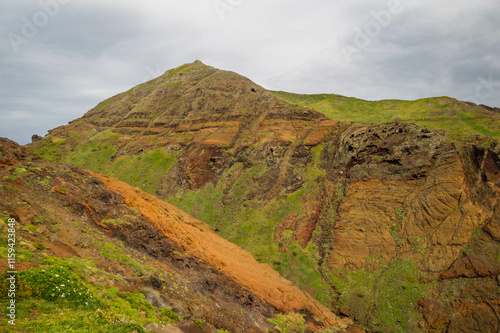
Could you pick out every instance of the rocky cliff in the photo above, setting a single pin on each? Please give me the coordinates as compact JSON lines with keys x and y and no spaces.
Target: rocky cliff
{"x":389,"y":224}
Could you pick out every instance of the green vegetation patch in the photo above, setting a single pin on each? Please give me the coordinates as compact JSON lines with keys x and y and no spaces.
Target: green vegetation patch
{"x":55,"y":297}
{"x":92,"y":155}
{"x":383,"y":300}
{"x":114,"y":222}
{"x":113,"y":252}
{"x":144,"y":171}
{"x":291,"y":323}
{"x":41,"y":316}
{"x":182,"y":69}
{"x":50,"y":283}
{"x":51,"y":149}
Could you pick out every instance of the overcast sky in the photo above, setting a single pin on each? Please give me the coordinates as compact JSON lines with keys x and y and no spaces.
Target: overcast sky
{"x":59,"y":58}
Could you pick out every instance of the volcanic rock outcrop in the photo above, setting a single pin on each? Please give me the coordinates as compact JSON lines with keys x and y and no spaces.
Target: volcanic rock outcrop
{"x":318,"y":199}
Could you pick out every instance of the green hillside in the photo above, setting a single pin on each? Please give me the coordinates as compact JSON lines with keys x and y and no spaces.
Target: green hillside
{"x":461,"y":121}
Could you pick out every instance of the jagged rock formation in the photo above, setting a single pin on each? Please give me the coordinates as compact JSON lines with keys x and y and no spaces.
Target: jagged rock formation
{"x":302,"y":191}
{"x":411,"y":182}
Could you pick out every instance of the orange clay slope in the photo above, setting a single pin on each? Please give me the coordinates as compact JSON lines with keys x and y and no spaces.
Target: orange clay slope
{"x":200,"y":240}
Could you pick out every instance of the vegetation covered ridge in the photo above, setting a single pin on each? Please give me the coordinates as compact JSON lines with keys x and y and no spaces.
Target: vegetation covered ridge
{"x":461,"y":121}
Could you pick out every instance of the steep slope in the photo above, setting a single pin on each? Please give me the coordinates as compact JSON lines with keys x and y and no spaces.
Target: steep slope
{"x":126,"y":239}
{"x":385,"y":213}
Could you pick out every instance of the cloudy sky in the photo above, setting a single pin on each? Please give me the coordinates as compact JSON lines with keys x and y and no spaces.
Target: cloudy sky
{"x":59,"y":58}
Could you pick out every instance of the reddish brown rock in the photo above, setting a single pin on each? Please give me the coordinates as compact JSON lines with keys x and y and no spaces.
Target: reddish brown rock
{"x":435,"y":317}
{"x":354,"y":329}
{"x":466,"y":267}
{"x":472,"y":317}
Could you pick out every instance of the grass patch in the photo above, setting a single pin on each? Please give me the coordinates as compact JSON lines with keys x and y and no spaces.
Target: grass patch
{"x":182,"y":69}
{"x":50,"y":283}
{"x":51,"y":149}
{"x":144,"y":171}
{"x":31,"y":228}
{"x":113,"y":252}
{"x":291,"y":322}
{"x":41,"y":316}
{"x":383,"y":300}
{"x":93,"y":155}
{"x":114,"y":222}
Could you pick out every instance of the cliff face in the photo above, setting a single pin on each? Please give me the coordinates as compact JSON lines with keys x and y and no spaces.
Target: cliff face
{"x":404,"y":194}
{"x":327,"y":203}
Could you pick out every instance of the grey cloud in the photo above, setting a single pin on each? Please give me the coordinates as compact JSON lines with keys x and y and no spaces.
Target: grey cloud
{"x":92,"y":50}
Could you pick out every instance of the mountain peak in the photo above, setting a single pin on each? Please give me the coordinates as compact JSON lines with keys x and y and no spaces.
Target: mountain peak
{"x":193,"y":92}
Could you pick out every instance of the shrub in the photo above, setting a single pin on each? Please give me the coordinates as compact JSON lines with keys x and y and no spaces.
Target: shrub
{"x":50,"y":283}
{"x":165,"y":312}
{"x":42,"y":220}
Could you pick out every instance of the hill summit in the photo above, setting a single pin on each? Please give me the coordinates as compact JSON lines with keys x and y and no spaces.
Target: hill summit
{"x":191,"y":94}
